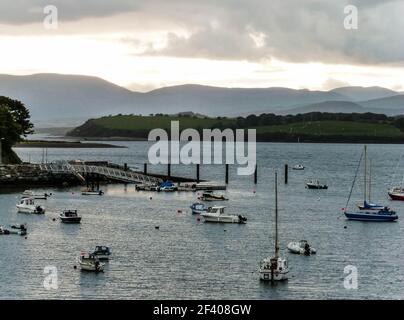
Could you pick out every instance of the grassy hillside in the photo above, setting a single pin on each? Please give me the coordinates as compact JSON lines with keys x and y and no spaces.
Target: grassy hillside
{"x":369,"y":128}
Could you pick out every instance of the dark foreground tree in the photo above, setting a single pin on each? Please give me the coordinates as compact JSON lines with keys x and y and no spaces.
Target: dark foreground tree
{"x":14,"y":125}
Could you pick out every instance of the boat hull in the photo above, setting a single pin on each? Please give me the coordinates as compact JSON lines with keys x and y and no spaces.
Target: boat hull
{"x":396,"y":196}
{"x":265,"y":275}
{"x":71,"y":220}
{"x":23,"y":209}
{"x":222,"y":219}
{"x":92,"y":267}
{"x":370,"y":216}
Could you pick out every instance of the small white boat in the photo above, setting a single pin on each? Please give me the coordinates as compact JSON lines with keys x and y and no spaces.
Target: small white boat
{"x":210,"y":196}
{"x":27,"y":205}
{"x":91,"y":192}
{"x":31,"y":194}
{"x":102,"y":252}
{"x":216,"y":214}
{"x":70,"y":216}
{"x":298,"y":167}
{"x":274,"y":268}
{"x":301,"y":247}
{"x":89,"y":262}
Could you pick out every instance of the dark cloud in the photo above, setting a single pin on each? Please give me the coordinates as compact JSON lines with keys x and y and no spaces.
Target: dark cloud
{"x":289,"y":30}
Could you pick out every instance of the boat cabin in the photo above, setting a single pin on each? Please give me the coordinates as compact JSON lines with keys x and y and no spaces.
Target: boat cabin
{"x":217,"y":209}
{"x":28,"y":202}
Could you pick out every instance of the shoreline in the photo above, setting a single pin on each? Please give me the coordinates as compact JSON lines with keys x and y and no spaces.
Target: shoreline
{"x":63,"y":144}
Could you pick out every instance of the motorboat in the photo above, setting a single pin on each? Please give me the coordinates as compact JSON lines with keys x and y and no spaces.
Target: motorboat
{"x":27,"y":205}
{"x":369,"y":211}
{"x":315,"y":184}
{"x":198,"y":208}
{"x":301,"y":247}
{"x":396,"y":193}
{"x":70,"y":216}
{"x":274,"y":268}
{"x":14,"y":229}
{"x":102,"y":252}
{"x":167,"y":186}
{"x":37,"y":196}
{"x":90,"y":262}
{"x":217,"y":214}
{"x":210,"y":196}
{"x":298,"y":167}
{"x":91,"y":192}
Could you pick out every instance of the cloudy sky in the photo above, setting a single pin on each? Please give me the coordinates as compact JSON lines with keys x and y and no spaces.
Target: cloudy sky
{"x":143,"y":45}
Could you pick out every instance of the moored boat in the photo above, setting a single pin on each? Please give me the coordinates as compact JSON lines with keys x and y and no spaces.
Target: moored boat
{"x":70,"y":216}
{"x":37,"y":196}
{"x":89,"y":262}
{"x":301,"y":247}
{"x":102,"y":252}
{"x":217,"y":214}
{"x":396,"y":193}
{"x":198,"y":208}
{"x":210,"y":196}
{"x":91,"y":192}
{"x":315,"y":184}
{"x":274,"y":268}
{"x":15,"y":229}
{"x":27,"y":205}
{"x":298,"y":167}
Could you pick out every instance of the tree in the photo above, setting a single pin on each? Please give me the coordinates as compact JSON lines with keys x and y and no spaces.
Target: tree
{"x":14,"y":125}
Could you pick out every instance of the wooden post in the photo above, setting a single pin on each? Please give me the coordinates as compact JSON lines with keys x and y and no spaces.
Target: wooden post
{"x":145,"y":168}
{"x":227,"y":174}
{"x":197,"y":172}
{"x":255,"y":175}
{"x":286,"y":174}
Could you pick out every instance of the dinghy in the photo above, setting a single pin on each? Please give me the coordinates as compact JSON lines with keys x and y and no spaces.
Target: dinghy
{"x":27,"y":205}
{"x":217,"y":214}
{"x":274,"y":268}
{"x":210,"y":196}
{"x":89,"y":262}
{"x":298,"y":167}
{"x":198,"y":208}
{"x":92,"y":192}
{"x":301,"y":247}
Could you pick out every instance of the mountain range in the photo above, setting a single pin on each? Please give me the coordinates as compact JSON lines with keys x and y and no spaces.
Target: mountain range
{"x":62,"y":100}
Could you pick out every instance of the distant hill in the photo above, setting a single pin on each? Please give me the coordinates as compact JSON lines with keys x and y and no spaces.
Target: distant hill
{"x":328,"y":106}
{"x":364,"y":93}
{"x":66,"y":100}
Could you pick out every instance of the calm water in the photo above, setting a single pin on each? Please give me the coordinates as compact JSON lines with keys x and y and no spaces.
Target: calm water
{"x":186,"y":259}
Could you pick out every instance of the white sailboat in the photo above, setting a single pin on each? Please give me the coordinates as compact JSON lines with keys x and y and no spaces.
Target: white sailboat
{"x":274,"y":268}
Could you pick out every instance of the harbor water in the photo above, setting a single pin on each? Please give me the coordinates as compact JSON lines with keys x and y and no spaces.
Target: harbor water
{"x":188,"y":259}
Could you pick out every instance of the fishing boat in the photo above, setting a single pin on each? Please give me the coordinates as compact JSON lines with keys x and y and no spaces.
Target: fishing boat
{"x":210,"y":196}
{"x":396,"y":193}
{"x":274,"y":268}
{"x":217,"y":214}
{"x":70,"y":216}
{"x":27,"y":205}
{"x":368,"y":211}
{"x":102,"y":252}
{"x":15,"y":229}
{"x":89,"y":262}
{"x":298,"y":167}
{"x":301,"y":247}
{"x":37,"y":196}
{"x":315,"y":184}
{"x":198,"y":208}
{"x":91,"y":192}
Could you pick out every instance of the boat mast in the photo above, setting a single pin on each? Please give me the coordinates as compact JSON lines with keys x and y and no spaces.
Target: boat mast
{"x":276,"y":216}
{"x":365,"y":173}
{"x":370,"y":179}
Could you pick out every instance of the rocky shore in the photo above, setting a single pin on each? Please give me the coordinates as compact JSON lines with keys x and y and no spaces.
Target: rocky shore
{"x":30,"y":175}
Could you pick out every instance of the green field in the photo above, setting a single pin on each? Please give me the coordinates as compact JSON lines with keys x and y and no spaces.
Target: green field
{"x":335,"y":128}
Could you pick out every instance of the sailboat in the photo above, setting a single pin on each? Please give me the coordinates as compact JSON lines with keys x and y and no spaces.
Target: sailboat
{"x":274,"y":268}
{"x":369,"y":211}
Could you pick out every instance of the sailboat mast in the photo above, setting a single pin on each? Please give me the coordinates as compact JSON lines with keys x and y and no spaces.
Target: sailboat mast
{"x":365,"y":194}
{"x":370,"y":179}
{"x":276,"y":216}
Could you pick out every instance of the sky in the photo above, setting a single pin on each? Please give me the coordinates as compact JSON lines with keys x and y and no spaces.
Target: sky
{"x":143,"y":45}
